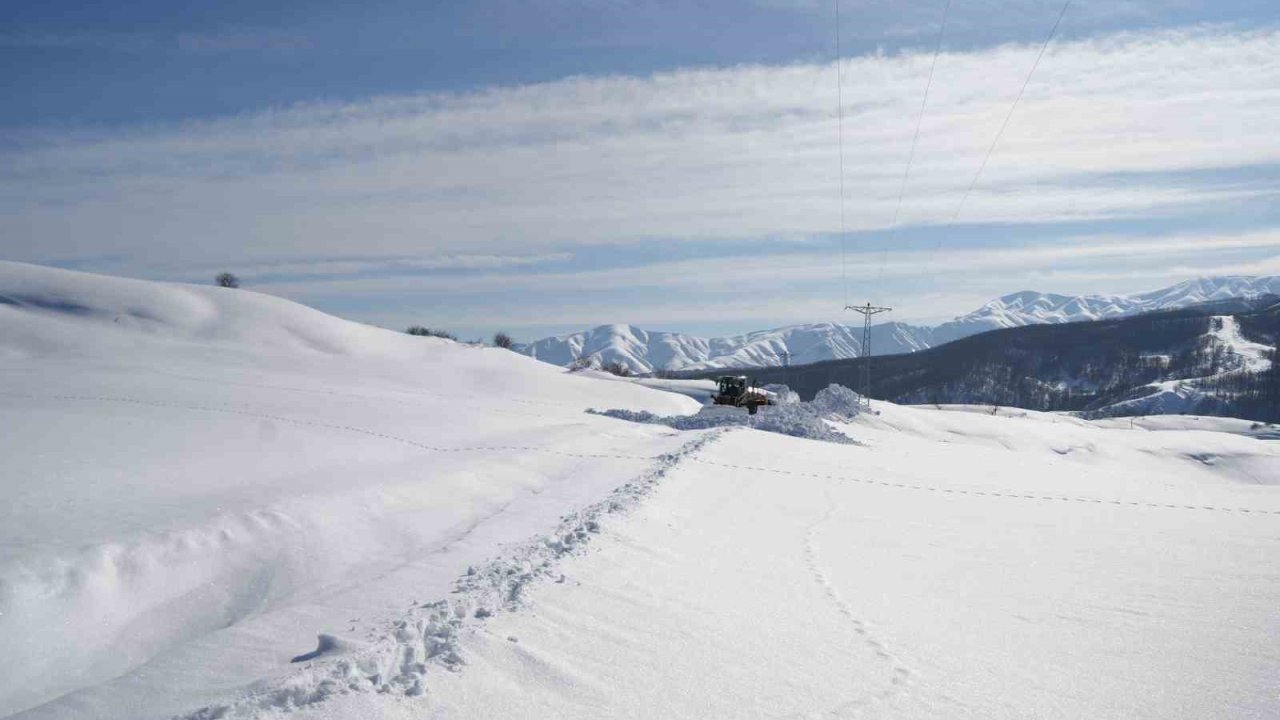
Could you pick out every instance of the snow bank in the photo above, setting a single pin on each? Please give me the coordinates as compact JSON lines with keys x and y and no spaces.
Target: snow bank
{"x":797,"y":419}
{"x":838,"y":402}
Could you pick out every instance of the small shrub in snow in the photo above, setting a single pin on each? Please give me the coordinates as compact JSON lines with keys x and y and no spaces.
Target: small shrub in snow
{"x":227,"y":280}
{"x":503,"y":340}
{"x":429,"y":332}
{"x":617,"y":368}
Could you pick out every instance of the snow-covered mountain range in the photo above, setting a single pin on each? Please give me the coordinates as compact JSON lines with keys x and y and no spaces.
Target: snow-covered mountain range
{"x":645,"y":351}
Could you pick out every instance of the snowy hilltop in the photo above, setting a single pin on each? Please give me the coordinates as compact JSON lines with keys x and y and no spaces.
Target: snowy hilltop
{"x":643,"y":351}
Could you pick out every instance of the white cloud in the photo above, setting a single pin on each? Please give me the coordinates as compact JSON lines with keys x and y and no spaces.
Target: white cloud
{"x":709,"y":274}
{"x":804,"y":286}
{"x":697,"y":154}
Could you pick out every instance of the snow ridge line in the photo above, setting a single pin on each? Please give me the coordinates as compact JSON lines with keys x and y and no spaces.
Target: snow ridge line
{"x":427,"y":639}
{"x":331,"y":426}
{"x":1011,"y":494}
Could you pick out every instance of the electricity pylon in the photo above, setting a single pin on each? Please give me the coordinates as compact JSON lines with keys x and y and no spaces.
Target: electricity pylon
{"x":867,"y":311}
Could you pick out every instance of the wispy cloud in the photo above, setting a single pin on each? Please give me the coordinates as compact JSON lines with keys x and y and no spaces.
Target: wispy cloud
{"x":787,"y":285}
{"x":319,"y":270}
{"x":1117,"y":127}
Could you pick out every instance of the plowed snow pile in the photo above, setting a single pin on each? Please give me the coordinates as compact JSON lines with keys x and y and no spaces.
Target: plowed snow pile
{"x":810,"y":420}
{"x":223,"y":505}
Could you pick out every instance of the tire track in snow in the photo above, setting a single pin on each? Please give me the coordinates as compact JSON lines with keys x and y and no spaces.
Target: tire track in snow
{"x":426,"y":640}
{"x":900,"y":674}
{"x":273,"y":521}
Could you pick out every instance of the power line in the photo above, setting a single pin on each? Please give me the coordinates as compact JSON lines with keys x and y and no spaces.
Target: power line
{"x":844,"y":273}
{"x":1012,"y":107}
{"x":867,"y":311}
{"x":915,"y":138}
{"x":1000,"y":133}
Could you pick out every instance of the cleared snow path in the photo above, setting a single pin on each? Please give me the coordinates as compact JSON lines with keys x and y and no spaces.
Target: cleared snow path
{"x":423,"y":643}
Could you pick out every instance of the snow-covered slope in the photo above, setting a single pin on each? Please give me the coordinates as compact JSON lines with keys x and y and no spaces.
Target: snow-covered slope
{"x":197,"y":480}
{"x":643,"y":351}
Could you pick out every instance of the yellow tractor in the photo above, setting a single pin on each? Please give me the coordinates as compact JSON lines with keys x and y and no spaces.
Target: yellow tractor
{"x":738,"y":391}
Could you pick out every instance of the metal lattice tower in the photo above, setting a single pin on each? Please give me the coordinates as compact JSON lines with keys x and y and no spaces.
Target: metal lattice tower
{"x":867,"y":312}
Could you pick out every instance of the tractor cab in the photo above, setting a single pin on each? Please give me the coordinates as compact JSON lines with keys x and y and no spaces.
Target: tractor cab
{"x":738,"y":391}
{"x":732,"y":386}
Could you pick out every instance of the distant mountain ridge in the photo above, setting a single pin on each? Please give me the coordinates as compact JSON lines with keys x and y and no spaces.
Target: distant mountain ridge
{"x":644,"y":351}
{"x":1213,"y":358}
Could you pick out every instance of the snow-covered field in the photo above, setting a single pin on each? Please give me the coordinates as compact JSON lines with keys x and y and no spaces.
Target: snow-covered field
{"x":198,"y":482}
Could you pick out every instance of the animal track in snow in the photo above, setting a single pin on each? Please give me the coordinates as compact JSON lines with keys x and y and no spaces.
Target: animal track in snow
{"x":899,"y":674}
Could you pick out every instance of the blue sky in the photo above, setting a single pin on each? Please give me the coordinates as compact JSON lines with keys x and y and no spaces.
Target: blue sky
{"x":547,"y":165}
